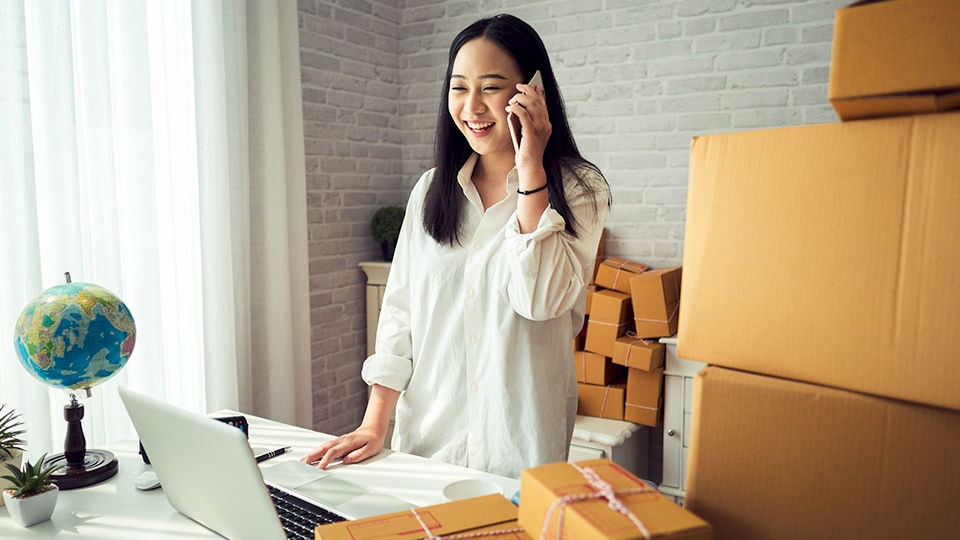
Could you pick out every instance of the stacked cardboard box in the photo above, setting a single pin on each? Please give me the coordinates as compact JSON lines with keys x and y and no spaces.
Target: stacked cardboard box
{"x":820,"y":289}
{"x":619,"y":360}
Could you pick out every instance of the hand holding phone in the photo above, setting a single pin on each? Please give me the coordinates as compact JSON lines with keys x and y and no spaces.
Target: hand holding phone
{"x":514,"y":122}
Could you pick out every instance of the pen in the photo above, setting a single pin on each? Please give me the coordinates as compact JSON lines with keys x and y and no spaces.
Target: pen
{"x":272,"y":454}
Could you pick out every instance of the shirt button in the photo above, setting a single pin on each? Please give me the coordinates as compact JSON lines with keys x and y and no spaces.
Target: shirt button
{"x":474,"y":340}
{"x":474,"y":387}
{"x":471,"y":293}
{"x":479,"y":246}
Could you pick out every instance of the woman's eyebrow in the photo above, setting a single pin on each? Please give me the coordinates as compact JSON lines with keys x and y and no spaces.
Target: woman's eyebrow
{"x":486,"y":76}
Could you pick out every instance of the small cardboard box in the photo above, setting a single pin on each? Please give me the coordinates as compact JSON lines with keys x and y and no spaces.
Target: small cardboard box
{"x":592,"y":517}
{"x":490,"y":512}
{"x":894,"y":57}
{"x":638,"y":353}
{"x":874,"y":203}
{"x":610,"y":318}
{"x":614,"y":273}
{"x":644,"y":397}
{"x":595,"y":368}
{"x":601,"y":401}
{"x":590,"y":290}
{"x":580,"y":340}
{"x":656,"y":302}
{"x":772,"y":458}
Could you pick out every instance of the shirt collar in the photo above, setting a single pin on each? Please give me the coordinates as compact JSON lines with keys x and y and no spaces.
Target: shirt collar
{"x":470,"y":191}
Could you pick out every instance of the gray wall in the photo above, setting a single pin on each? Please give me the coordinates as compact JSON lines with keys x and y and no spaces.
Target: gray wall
{"x":640,"y":78}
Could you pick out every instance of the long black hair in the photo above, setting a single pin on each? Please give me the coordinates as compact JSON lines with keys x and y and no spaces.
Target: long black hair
{"x":443,"y":205}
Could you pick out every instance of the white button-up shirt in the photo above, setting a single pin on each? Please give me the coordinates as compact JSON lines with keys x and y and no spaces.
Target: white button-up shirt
{"x":478,"y":337}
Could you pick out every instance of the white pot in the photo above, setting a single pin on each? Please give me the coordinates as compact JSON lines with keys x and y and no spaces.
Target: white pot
{"x":27,"y":511}
{"x":16,"y":460}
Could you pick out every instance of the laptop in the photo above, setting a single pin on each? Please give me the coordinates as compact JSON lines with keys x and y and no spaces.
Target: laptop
{"x":208,"y":473}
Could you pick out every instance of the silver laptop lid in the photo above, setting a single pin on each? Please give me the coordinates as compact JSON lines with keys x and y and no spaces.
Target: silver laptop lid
{"x":206,"y":468}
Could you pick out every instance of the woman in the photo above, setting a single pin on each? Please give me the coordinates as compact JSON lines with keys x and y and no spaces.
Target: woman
{"x":486,"y":289}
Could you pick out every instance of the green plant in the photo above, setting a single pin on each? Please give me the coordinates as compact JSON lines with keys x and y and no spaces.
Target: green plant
{"x":31,"y":479}
{"x":386,"y":222}
{"x":10,"y":433}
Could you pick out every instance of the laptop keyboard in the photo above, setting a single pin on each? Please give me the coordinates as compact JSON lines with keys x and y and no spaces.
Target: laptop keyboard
{"x":298,"y":516}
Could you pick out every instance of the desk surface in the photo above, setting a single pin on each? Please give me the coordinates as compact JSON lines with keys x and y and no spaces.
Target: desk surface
{"x":114,"y":509}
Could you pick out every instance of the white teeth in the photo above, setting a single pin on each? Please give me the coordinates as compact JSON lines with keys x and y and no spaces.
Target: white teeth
{"x":479,"y":126}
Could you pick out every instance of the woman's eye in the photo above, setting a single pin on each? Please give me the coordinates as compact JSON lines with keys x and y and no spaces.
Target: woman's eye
{"x":491,"y":88}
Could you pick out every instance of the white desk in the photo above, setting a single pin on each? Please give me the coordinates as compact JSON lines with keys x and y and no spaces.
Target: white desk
{"x":114,"y":509}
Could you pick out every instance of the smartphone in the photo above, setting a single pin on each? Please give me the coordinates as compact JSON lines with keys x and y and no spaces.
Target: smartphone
{"x":514,"y":122}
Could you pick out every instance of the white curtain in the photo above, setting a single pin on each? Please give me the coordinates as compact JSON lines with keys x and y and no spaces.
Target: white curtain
{"x":156,"y":149}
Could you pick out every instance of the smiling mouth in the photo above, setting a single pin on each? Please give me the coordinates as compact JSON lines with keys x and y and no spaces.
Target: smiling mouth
{"x":479,"y":127}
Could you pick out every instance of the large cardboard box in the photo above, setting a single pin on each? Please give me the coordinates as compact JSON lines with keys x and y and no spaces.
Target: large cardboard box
{"x":771,"y":458}
{"x":487,"y":513}
{"x":895,"y":57}
{"x":829,"y":254}
{"x":588,"y":515}
{"x":656,"y":302}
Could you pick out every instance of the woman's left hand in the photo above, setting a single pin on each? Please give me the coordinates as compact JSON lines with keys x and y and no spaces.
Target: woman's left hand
{"x":530,"y":107}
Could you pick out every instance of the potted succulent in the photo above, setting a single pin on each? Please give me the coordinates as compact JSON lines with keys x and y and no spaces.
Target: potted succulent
{"x":385,"y":227}
{"x":11,"y":445}
{"x":32,"y":497}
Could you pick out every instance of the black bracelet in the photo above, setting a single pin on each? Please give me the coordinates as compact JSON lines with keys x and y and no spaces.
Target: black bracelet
{"x":529,"y":192}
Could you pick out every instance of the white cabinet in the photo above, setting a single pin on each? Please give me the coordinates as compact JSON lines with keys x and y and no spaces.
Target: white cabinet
{"x":677,"y":407}
{"x":624,"y":443}
{"x":377,"y":272}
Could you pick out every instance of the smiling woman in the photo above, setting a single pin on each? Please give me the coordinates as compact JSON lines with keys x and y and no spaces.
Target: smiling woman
{"x":127,"y":156}
{"x":486,"y":289}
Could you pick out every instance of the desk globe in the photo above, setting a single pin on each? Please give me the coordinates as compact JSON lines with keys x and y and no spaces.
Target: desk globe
{"x":73,"y":337}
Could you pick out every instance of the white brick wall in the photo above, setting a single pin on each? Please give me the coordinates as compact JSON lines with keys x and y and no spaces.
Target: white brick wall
{"x":640,"y":79}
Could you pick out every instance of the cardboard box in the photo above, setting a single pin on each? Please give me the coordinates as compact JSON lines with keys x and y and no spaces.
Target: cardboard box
{"x":656,"y":302}
{"x":611,"y":316}
{"x":829,"y":254}
{"x":771,"y":458}
{"x":614,"y":273}
{"x":895,"y":57}
{"x":590,"y":290}
{"x":490,"y":512}
{"x":643,"y":403}
{"x":638,"y":353}
{"x":580,"y":340}
{"x":593,"y":517}
{"x":595,"y":368}
{"x":601,"y":401}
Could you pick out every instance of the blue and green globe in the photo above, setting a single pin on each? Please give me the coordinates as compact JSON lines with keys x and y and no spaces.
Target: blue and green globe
{"x":75,"y":336}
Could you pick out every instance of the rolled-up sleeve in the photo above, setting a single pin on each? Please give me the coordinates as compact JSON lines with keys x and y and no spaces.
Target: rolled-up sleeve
{"x":550,"y":268}
{"x":391,"y":363}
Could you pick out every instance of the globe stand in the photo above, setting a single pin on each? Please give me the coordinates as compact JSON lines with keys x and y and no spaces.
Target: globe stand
{"x":83,"y":467}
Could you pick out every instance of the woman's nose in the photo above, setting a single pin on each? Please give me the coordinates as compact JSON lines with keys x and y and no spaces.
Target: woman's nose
{"x":475,"y":103}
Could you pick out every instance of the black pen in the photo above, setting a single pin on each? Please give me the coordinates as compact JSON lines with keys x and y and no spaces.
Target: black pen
{"x":272,"y":454}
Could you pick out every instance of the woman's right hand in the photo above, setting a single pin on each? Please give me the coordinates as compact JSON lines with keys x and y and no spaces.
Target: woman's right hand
{"x":354,"y":447}
{"x":364,"y":442}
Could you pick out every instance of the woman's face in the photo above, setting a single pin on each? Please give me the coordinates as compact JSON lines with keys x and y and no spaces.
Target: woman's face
{"x":483,"y":79}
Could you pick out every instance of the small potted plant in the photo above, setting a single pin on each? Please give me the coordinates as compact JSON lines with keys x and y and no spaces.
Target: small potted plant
{"x":32,"y":497}
{"x":385,"y":227}
{"x":11,"y":445}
